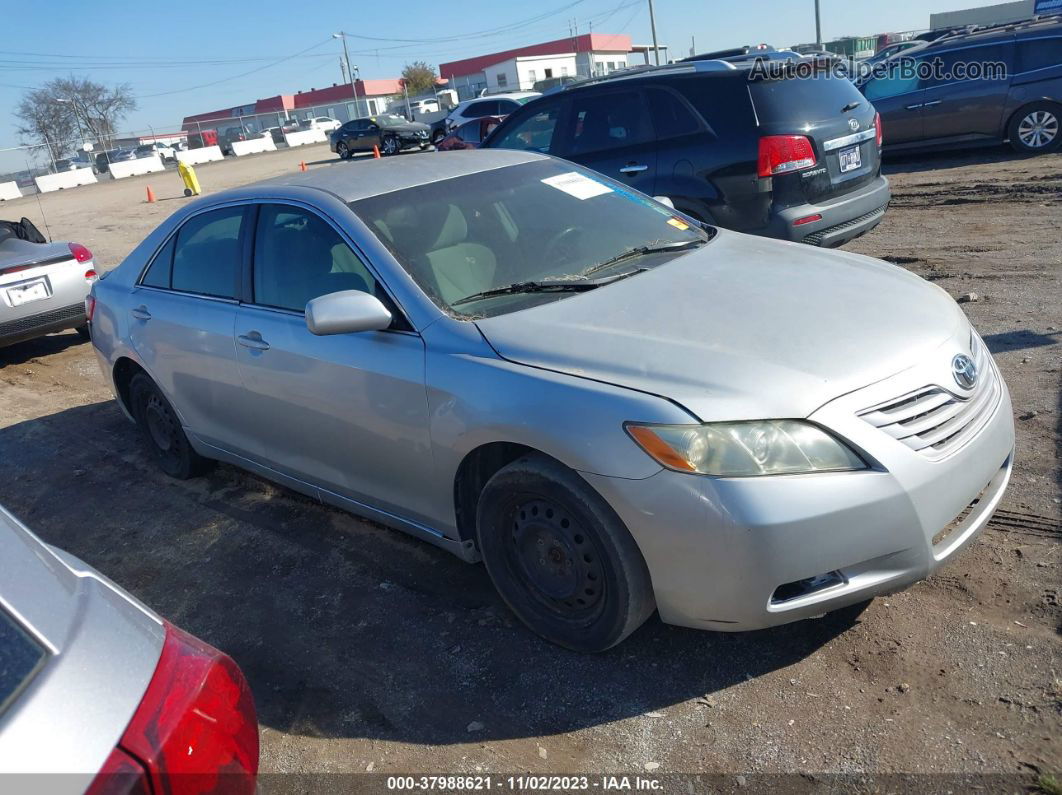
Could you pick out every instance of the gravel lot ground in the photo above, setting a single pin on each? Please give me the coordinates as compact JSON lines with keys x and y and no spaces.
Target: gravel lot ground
{"x":368,"y":650}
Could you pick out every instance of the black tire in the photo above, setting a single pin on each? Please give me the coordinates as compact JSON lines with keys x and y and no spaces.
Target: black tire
{"x":560,"y":557}
{"x":160,"y":429}
{"x":187,"y":192}
{"x":83,"y":332}
{"x":1036,"y":128}
{"x":343,"y":150}
{"x":389,"y":146}
{"x":437,"y":136}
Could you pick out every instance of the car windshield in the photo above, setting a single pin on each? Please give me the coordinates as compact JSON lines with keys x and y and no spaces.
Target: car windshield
{"x":526,"y":234}
{"x":525,"y":100}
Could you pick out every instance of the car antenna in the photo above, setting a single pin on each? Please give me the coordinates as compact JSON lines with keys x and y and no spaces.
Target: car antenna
{"x":40,"y":207}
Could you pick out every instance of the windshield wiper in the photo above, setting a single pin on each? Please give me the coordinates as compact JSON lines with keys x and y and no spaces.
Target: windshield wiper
{"x":641,"y":251}
{"x":580,"y":285}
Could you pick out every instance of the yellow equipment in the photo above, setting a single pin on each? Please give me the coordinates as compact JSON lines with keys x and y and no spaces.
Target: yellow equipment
{"x":191,"y":182}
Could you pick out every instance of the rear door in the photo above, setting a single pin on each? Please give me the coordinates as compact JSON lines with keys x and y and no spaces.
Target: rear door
{"x":840,"y":123}
{"x":610,"y":132}
{"x":182,"y":320}
{"x":966,"y":101}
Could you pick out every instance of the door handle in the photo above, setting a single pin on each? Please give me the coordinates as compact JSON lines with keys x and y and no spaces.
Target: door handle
{"x":914,"y":107}
{"x":141,"y":313}
{"x":931,"y":104}
{"x":633,"y":168}
{"x":254,"y":341}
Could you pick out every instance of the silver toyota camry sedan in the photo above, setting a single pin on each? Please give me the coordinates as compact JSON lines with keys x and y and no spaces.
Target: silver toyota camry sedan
{"x":615,"y":408}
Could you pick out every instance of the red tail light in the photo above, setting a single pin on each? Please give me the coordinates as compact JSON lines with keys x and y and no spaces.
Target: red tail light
{"x":81,"y":254}
{"x":91,"y":276}
{"x":780,"y":154}
{"x":195,"y":730}
{"x":877,"y":127}
{"x":90,"y":306}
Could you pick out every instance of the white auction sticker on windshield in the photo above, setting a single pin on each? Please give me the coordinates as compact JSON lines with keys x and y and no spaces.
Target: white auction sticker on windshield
{"x":575,"y":184}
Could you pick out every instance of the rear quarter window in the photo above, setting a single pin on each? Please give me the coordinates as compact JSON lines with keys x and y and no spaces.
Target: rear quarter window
{"x":20,"y":658}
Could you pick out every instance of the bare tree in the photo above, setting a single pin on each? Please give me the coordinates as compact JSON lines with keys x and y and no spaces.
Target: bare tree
{"x":66,"y":108}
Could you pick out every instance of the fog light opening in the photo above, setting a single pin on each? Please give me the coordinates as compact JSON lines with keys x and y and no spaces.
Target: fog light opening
{"x":801,"y":588}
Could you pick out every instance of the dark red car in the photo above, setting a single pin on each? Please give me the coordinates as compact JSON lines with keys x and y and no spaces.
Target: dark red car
{"x":470,"y":134}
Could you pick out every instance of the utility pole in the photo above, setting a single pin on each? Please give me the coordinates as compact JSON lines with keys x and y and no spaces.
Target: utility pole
{"x":818,"y":24}
{"x":350,"y":71}
{"x":652,"y":26}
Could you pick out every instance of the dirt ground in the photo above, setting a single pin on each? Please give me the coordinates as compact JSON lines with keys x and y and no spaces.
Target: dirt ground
{"x":368,"y":650}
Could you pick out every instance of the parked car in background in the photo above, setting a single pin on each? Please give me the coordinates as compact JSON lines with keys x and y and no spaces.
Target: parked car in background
{"x":549,"y":83}
{"x":793,"y":158}
{"x":42,"y":285}
{"x":104,"y":159}
{"x":150,"y":150}
{"x":74,"y":163}
{"x":202,"y":138}
{"x":493,"y":105}
{"x":98,"y":693}
{"x":518,"y":359}
{"x":231,"y":134}
{"x":469,"y":135}
{"x":326,"y":123}
{"x":893,"y":49}
{"x":387,"y":131}
{"x":1021,"y":105}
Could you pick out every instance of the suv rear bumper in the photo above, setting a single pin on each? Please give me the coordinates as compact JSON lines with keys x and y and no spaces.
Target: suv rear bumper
{"x":843,"y":219}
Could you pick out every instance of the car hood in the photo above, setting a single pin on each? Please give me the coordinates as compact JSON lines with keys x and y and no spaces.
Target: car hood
{"x":741,"y":328}
{"x":409,"y":126}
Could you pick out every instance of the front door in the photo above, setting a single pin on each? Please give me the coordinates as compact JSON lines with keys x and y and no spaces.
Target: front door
{"x":346,"y":412}
{"x":182,"y":319}
{"x":610,"y":133}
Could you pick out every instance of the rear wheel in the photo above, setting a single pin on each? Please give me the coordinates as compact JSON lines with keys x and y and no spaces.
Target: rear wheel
{"x":560,"y":557}
{"x":161,"y":431}
{"x":1035,"y":128}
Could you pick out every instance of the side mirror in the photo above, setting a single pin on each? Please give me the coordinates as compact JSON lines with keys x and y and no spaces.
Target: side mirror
{"x":346,"y":312}
{"x":664,"y":200}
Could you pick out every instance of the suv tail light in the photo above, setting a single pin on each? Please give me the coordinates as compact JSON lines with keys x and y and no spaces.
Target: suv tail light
{"x":81,"y":254}
{"x":195,"y":730}
{"x":877,"y":127}
{"x":780,"y":154}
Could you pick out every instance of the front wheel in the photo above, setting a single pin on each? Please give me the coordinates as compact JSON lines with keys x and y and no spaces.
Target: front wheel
{"x":343,"y":151}
{"x":1035,"y":128}
{"x":161,"y":431}
{"x":389,"y":146}
{"x":560,"y":557}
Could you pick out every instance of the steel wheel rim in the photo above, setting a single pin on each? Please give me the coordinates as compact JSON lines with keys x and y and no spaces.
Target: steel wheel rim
{"x":161,"y":426}
{"x":555,"y":559}
{"x":1038,"y":129}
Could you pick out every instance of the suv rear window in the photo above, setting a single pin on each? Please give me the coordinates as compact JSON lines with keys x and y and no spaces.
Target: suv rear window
{"x":803,"y":98}
{"x":20,"y":658}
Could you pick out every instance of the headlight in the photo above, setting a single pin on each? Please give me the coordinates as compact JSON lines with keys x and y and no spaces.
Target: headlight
{"x":741,"y":449}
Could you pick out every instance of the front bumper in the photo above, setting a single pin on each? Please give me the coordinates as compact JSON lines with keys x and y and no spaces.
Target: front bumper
{"x":736,"y":554}
{"x":844,"y":218}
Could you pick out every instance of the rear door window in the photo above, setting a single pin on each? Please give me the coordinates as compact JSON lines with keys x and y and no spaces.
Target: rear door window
{"x":533,"y":131}
{"x":158,"y":272}
{"x":20,"y":658}
{"x":207,"y":256}
{"x":486,"y":108}
{"x":670,"y":115}
{"x":1036,"y":54}
{"x":609,"y":120}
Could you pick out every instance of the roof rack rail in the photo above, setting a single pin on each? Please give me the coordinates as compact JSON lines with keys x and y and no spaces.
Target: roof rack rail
{"x":679,"y":67}
{"x":1001,"y":27}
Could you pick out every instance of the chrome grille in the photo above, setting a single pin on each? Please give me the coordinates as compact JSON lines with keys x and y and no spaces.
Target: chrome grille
{"x":935,"y":421}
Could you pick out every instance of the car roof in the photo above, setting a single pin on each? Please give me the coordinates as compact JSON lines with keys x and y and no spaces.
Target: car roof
{"x":372,"y":177}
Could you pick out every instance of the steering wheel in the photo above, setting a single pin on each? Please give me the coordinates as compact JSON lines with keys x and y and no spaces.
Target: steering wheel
{"x":564,"y":246}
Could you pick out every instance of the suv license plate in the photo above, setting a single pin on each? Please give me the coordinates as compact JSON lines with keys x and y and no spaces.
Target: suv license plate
{"x":24,"y":293}
{"x":850,"y":159}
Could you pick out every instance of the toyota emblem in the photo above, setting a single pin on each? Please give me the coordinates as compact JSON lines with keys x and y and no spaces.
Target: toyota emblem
{"x":964,"y":370}
{"x":854,"y":124}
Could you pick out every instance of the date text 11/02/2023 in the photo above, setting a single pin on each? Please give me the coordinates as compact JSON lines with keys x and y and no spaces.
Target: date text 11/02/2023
{"x":523,"y":783}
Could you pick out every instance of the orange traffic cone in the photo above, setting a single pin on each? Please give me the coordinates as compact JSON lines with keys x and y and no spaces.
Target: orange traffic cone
{"x":302,"y":165}
{"x":375,"y":150}
{"x":151,"y":194}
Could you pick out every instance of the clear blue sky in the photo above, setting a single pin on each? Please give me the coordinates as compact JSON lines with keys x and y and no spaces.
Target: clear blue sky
{"x":142,"y":44}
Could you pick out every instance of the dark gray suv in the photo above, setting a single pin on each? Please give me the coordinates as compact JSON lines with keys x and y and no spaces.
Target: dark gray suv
{"x":796,"y":158}
{"x":945,"y":95}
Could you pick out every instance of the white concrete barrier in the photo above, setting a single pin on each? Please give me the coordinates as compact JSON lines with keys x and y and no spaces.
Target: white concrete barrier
{"x":65,"y":179}
{"x":9,"y":190}
{"x":252,"y":146}
{"x":302,"y":137}
{"x":133,"y":168}
{"x":205,"y":154}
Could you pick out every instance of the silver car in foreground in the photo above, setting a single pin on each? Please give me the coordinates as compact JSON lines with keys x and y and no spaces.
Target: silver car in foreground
{"x":523,"y":361}
{"x":98,"y":693}
{"x":42,"y":287}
